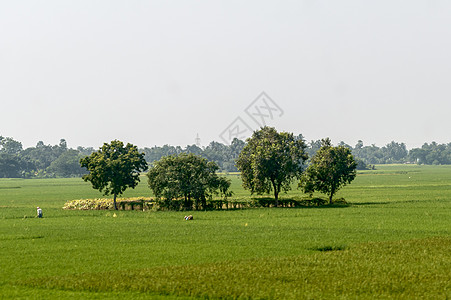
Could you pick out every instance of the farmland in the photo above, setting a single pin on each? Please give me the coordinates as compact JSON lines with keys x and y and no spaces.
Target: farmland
{"x":392,"y":240}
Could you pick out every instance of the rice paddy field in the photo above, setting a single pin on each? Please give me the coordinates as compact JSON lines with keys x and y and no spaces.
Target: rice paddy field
{"x":392,"y":241}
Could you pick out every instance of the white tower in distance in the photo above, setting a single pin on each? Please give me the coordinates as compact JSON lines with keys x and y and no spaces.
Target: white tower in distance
{"x":197,"y":140}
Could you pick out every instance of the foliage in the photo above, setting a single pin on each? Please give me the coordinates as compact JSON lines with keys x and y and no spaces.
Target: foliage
{"x":101,"y":203}
{"x":431,"y":154}
{"x":369,"y":155}
{"x":313,"y":147}
{"x":10,"y":146}
{"x":270,"y":161}
{"x":330,"y":169}
{"x":67,"y":164}
{"x":11,"y":166}
{"x":156,"y":153}
{"x":223,"y":155}
{"x":361,"y":165}
{"x":85,"y":151}
{"x":43,"y":155}
{"x":391,"y":153}
{"x":114,"y":168}
{"x":187,"y":176}
{"x":41,"y":161}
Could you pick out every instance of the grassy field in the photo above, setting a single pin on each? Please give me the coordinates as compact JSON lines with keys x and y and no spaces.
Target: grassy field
{"x":392,"y":241}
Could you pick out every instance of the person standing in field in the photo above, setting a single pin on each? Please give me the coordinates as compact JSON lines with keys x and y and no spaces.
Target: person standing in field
{"x":39,"y":211}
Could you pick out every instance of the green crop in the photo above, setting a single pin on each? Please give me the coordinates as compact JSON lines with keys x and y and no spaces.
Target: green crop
{"x":392,"y":241}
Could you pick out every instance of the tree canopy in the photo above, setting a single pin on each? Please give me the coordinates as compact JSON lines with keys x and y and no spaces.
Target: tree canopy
{"x":331,"y":168}
{"x":114,"y":168}
{"x":270,"y":161}
{"x":187,"y":176}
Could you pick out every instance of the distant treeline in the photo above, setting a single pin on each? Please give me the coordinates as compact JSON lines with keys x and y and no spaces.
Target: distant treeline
{"x":223,"y":155}
{"x":40,"y":161}
{"x":60,"y":161}
{"x":428,"y":154}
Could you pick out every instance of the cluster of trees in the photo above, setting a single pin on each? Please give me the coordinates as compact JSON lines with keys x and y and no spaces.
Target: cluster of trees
{"x":39,"y":161}
{"x":431,"y":154}
{"x":269,"y":162}
{"x":391,"y":153}
{"x":369,"y":155}
{"x":394,"y":152}
{"x":61,"y":161}
{"x":115,"y":167}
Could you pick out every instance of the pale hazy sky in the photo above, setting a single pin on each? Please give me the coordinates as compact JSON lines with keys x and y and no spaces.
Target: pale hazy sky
{"x":159,"y":72}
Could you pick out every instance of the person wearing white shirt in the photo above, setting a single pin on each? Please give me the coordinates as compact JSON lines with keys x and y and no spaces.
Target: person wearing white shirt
{"x":39,"y":211}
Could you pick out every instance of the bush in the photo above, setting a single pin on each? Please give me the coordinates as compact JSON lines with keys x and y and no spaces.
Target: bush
{"x":145,"y":203}
{"x":104,"y":203}
{"x":340,"y":201}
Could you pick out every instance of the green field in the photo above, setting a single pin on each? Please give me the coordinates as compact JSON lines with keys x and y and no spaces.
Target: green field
{"x":392,"y":241}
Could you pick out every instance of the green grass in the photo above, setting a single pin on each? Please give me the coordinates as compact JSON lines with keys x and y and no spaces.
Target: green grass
{"x":403,"y":269}
{"x":392,"y":242}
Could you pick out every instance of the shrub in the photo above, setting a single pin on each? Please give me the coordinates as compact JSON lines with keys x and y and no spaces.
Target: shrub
{"x":104,"y":203}
{"x":146,"y":203}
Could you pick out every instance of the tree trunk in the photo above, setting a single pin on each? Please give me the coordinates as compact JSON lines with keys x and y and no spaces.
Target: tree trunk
{"x":332,"y":192}
{"x":189,"y":203}
{"x":114,"y":201}
{"x":276,"y":193}
{"x":204,"y":203}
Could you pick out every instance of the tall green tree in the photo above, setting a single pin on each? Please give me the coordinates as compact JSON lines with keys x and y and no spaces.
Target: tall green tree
{"x":186,"y":176}
{"x":331,"y":168}
{"x":114,"y":168}
{"x":270,"y":161}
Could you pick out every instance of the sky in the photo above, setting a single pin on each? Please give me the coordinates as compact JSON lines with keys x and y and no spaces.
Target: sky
{"x":162,"y":72}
